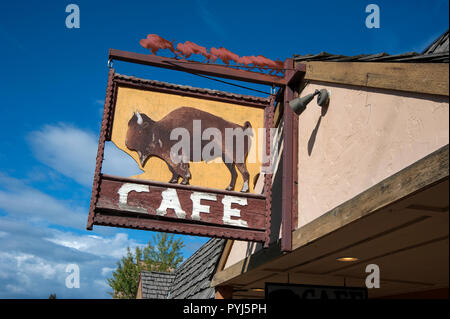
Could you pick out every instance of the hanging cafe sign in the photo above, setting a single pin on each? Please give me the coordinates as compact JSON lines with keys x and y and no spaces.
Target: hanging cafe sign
{"x":200,"y":150}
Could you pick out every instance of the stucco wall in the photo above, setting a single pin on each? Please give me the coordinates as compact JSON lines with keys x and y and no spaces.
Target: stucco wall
{"x":365,"y":136}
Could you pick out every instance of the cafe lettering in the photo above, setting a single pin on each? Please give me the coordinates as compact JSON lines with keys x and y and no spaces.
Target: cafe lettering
{"x":170,"y":204}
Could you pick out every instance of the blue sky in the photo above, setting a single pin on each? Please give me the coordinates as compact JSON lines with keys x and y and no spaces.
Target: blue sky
{"x":52,"y":88}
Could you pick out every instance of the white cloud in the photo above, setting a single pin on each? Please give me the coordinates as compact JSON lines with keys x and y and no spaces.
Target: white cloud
{"x":33,"y":261}
{"x":102,"y":284}
{"x":27,"y":270}
{"x":31,"y":264}
{"x":106,"y":271}
{"x":72,"y":152}
{"x":26,"y":203}
{"x":15,"y":289}
{"x":114,"y":247}
{"x":68,"y":150}
{"x":34,"y":256}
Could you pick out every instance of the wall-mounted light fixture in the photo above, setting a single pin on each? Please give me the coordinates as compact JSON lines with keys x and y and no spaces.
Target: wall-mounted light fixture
{"x":299,"y":104}
{"x":347,"y":259}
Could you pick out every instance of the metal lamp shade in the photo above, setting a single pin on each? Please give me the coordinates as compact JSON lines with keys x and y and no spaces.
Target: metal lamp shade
{"x":299,"y":104}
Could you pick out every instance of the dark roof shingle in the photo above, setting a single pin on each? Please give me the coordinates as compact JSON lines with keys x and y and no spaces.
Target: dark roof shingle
{"x":413,"y":57}
{"x":193,"y":277}
{"x":437,"y":52}
{"x":156,"y":285}
{"x":440,"y":45}
{"x":190,"y":281}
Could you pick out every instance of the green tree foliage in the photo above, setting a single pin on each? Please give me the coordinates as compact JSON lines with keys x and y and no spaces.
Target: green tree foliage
{"x":124,"y":281}
{"x":163,"y":253}
{"x":166,"y":255}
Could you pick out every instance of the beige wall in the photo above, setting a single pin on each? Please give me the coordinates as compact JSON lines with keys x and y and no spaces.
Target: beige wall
{"x":365,"y":136}
{"x":239,"y":251}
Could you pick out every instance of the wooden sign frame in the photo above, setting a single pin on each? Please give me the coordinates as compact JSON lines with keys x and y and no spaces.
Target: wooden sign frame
{"x":112,"y":206}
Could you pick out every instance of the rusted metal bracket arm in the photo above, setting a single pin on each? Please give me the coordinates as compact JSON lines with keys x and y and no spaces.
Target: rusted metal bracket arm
{"x":293,"y":77}
{"x":197,"y":67}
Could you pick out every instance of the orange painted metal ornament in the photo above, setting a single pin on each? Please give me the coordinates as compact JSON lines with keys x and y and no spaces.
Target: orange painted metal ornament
{"x":185,"y":50}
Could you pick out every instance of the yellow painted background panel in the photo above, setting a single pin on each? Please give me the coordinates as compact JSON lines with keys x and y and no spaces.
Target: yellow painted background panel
{"x":156,"y":105}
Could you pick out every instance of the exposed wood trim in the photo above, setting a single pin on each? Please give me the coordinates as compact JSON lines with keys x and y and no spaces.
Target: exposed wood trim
{"x":249,"y":296}
{"x":264,"y":278}
{"x":225,"y":253}
{"x":139,"y":292}
{"x":426,"y":208}
{"x":224,"y":292}
{"x":392,"y":252}
{"x":278,"y":115}
{"x":439,"y":212}
{"x":354,"y":244}
{"x":196,"y":67}
{"x":249,"y":263}
{"x":429,"y":78}
{"x":422,"y":174}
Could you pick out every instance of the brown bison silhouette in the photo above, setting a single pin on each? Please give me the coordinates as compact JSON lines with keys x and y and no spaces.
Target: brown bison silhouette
{"x":152,"y":138}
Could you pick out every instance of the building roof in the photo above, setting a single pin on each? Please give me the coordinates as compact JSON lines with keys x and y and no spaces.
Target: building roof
{"x":440,"y":45}
{"x":437,"y":52}
{"x":192,"y":280}
{"x":156,"y":285}
{"x":193,"y":277}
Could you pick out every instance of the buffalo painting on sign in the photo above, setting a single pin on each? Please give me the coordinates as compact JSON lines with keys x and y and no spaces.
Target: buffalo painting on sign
{"x":166,"y":135}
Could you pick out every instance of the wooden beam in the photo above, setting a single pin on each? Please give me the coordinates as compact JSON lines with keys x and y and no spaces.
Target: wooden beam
{"x":436,"y":212}
{"x":247,"y":264}
{"x":429,"y":78}
{"x":225,"y":253}
{"x":197,"y":67}
{"x":421,"y":175}
{"x":139,"y":292}
{"x":278,"y":115}
{"x":224,"y":292}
